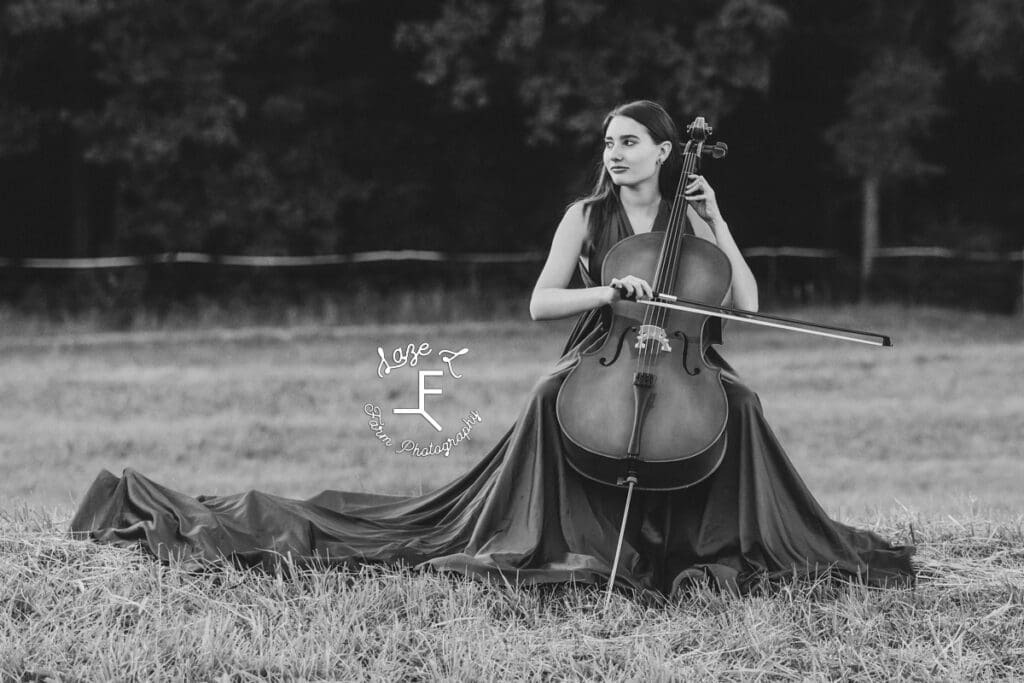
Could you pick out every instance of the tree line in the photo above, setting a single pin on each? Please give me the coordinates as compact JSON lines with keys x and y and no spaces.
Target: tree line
{"x":315,"y":126}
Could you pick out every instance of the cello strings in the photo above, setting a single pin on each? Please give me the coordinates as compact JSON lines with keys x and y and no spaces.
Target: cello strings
{"x":656,"y":317}
{"x":644,"y":358}
{"x":668,"y":267}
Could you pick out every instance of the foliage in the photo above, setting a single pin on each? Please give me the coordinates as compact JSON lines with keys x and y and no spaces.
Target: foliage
{"x":891,"y":105}
{"x":222,"y":135}
{"x":569,"y":61}
{"x":314,"y":126}
{"x":990,"y":34}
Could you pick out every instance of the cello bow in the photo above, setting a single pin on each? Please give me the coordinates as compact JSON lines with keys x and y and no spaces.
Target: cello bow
{"x":663,"y":300}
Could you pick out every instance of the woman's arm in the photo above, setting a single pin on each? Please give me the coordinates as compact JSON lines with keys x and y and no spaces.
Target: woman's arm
{"x":744,"y":287}
{"x":551,"y":296}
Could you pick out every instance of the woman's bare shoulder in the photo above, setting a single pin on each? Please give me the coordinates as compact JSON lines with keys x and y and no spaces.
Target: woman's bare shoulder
{"x":574,"y":222}
{"x":578,"y":210}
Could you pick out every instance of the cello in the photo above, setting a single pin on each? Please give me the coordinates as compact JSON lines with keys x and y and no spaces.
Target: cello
{"x":680,"y":423}
{"x":646,"y":410}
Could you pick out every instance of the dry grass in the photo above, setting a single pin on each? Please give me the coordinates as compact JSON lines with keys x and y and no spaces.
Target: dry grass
{"x":923,"y":439}
{"x":83,"y":611}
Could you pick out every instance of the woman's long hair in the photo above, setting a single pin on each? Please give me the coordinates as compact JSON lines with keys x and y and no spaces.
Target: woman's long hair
{"x":603,"y":201}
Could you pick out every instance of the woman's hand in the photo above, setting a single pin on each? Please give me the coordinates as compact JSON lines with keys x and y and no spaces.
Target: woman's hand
{"x":702,"y":198}
{"x":630,"y":287}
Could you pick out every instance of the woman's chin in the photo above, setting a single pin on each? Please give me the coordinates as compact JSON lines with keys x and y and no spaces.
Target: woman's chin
{"x":628,"y":180}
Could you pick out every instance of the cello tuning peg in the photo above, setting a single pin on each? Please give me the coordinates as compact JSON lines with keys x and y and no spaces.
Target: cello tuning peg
{"x":717,"y":150}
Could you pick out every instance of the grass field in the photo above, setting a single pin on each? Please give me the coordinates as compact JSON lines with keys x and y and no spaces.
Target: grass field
{"x":925,"y":439}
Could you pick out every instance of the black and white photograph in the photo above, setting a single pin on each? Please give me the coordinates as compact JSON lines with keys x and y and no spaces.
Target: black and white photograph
{"x":524,"y":340}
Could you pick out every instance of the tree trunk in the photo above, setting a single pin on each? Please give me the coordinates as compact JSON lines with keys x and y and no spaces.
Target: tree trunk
{"x":868,"y":230}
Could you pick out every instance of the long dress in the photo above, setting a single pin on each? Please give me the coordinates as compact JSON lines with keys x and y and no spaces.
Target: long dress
{"x":522,"y":514}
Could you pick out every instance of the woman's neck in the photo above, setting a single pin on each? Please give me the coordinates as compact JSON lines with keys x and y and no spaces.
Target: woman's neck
{"x":644,"y":198}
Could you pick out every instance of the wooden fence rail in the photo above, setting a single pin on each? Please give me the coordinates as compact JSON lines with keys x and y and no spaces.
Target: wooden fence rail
{"x":476,"y":258}
{"x":439,"y":256}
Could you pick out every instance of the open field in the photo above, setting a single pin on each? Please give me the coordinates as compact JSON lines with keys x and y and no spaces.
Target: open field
{"x":922,"y":440}
{"x":934,"y":419}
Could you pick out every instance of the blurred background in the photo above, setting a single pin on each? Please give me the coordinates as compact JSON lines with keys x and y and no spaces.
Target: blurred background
{"x":874,"y":149}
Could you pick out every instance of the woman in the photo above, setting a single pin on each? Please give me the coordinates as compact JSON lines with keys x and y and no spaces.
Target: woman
{"x":635,"y":173}
{"x":522,"y":513}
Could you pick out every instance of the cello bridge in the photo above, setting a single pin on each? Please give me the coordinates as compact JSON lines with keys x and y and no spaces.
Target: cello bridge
{"x":654,"y":334}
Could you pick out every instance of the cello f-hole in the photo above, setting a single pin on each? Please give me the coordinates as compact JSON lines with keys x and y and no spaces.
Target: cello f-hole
{"x":686,"y":349}
{"x":618,"y":348}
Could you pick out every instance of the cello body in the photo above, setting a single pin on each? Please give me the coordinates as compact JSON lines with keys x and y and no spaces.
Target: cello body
{"x":683,"y":412}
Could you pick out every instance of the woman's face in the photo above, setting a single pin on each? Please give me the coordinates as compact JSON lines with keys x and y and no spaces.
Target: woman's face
{"x":631,"y":155}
